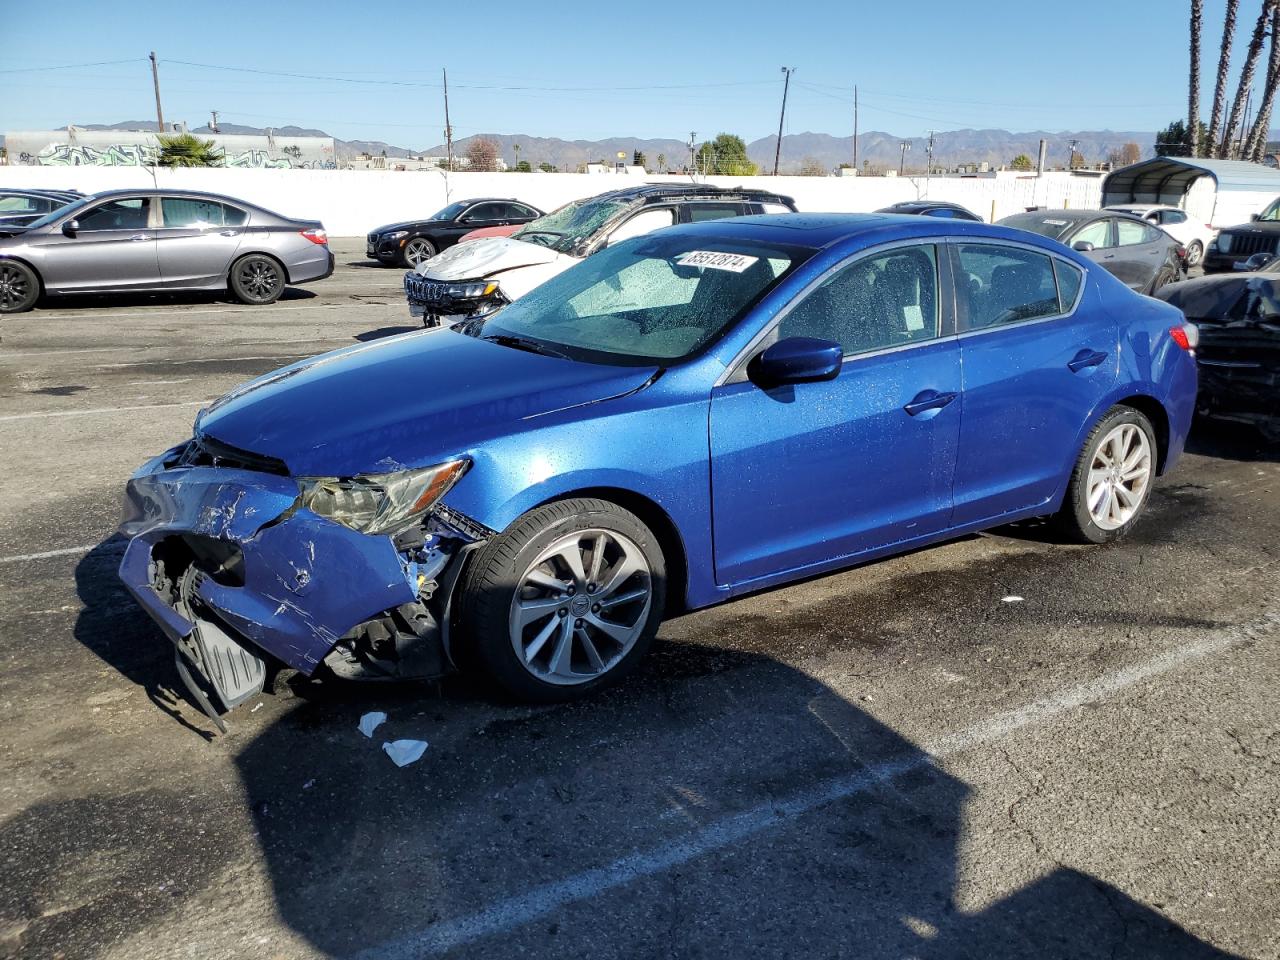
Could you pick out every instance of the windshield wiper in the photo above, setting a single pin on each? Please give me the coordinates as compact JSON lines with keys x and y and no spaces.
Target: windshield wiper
{"x":525,"y":343}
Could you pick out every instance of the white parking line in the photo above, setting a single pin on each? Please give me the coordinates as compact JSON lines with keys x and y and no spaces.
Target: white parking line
{"x":86,"y":413}
{"x":147,"y":363}
{"x":64,"y":552}
{"x":513,"y":912}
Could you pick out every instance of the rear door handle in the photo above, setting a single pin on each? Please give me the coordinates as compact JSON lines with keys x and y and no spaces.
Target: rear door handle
{"x":928,"y":400}
{"x":228,"y":233}
{"x":1085,"y":359}
{"x":141,"y":236}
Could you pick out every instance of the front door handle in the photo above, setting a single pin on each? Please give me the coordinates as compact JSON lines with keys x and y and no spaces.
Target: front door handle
{"x":1085,"y":359}
{"x":141,"y":236}
{"x":228,"y":233}
{"x":928,"y":400}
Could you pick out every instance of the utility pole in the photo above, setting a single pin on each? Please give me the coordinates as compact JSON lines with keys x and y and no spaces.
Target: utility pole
{"x":855,"y":129}
{"x":155,"y":81}
{"x":693,"y":163}
{"x":777,"y":154}
{"x":213,"y":124}
{"x":516,"y":147}
{"x":902,"y":163}
{"x":1071,"y":156}
{"x":448,"y":130}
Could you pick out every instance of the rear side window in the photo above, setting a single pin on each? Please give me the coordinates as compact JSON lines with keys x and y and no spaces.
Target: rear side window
{"x":1129,"y":232}
{"x":190,"y":212}
{"x":22,"y":204}
{"x":1005,"y":284}
{"x":519,"y":210}
{"x":1172,"y":216}
{"x":1097,"y":233}
{"x":1069,"y":279}
{"x":713,"y":211}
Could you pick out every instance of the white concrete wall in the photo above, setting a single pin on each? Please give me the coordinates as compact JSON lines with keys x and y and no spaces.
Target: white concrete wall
{"x":351,"y":202}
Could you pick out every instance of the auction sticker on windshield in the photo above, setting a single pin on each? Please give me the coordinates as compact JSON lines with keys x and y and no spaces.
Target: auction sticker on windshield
{"x":735,"y":262}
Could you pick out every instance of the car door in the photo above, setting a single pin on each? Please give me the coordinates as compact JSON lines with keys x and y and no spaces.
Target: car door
{"x":1038,"y":356}
{"x":196,"y":240}
{"x":813,"y":472}
{"x":113,"y":249}
{"x":489,"y":214}
{"x":1141,"y":252}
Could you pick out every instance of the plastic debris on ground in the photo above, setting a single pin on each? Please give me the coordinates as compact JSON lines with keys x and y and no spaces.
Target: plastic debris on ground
{"x":405,"y":752}
{"x":371,"y":721}
{"x":1011,"y":599}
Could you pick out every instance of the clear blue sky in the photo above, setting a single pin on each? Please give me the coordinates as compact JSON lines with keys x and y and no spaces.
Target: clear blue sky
{"x":705,"y":67}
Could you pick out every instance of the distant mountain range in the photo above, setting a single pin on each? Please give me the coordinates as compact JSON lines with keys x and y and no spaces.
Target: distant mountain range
{"x":882,"y":150}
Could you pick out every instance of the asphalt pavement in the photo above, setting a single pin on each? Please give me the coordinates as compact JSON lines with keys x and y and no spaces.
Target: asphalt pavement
{"x":999,"y":747}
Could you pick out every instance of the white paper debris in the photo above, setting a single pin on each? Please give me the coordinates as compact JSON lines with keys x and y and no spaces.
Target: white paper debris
{"x":405,"y":752}
{"x":256,"y":707}
{"x":371,"y":721}
{"x":1011,"y":599}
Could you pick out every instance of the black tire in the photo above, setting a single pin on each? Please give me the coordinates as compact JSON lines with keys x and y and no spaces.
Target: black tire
{"x":422,"y":249}
{"x":1074,"y":519}
{"x":257,"y":279}
{"x":491,"y":580}
{"x":19,"y":287}
{"x":1162,"y":279}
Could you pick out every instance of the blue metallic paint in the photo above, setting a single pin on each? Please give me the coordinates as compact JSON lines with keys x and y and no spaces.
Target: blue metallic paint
{"x":752,"y":482}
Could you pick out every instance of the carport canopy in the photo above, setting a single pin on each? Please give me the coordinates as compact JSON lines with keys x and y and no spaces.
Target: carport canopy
{"x":1167,"y":180}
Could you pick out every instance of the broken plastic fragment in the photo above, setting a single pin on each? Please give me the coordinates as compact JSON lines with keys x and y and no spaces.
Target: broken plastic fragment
{"x":405,"y":752}
{"x":1011,"y":599}
{"x":371,"y":721}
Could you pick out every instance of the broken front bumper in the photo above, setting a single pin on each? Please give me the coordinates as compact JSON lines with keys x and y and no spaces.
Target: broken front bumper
{"x":433,"y":301}
{"x":267,"y":572}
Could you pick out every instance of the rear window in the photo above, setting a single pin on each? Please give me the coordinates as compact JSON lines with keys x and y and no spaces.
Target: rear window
{"x":1045,"y":224}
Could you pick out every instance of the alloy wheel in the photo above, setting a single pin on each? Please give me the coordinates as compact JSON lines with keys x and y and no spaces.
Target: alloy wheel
{"x":416,"y":251}
{"x":259,"y":279}
{"x":1119,"y":476}
{"x":15,"y":287}
{"x":1195,"y":253}
{"x":580,"y":607}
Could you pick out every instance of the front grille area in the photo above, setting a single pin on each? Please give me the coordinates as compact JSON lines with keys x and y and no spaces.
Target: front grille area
{"x":422,"y":290}
{"x":1247,"y":244}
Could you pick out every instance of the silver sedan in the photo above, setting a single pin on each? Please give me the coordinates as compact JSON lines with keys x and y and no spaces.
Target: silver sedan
{"x":161,"y":240}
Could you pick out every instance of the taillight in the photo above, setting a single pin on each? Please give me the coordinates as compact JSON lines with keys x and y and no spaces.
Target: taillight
{"x":1182,"y":252}
{"x":1187,"y":336}
{"x":316,"y":235}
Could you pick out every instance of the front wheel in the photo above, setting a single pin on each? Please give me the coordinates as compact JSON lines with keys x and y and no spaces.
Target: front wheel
{"x":566,"y":601}
{"x":19,"y":287}
{"x":418,"y":250}
{"x":1112,"y":479}
{"x":1195,"y":253}
{"x":257,"y":279}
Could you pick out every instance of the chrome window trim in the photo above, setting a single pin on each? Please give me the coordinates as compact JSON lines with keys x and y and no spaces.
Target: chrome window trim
{"x":738,"y":364}
{"x":1051,"y":256}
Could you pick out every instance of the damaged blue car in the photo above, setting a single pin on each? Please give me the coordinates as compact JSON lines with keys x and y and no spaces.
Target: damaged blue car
{"x":685,"y":417}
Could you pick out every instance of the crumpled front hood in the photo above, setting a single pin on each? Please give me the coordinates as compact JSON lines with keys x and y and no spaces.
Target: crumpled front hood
{"x":487,"y":256}
{"x":402,"y":402}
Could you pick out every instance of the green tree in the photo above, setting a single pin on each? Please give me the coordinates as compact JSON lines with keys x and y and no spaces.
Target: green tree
{"x":1021,"y":162}
{"x":547,"y":167}
{"x":1172,"y":140}
{"x":726,"y":155}
{"x":523,"y":167}
{"x":187,"y":150}
{"x":638,"y":159}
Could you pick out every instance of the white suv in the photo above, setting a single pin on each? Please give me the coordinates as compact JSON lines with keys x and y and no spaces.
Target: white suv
{"x":1195,"y":237}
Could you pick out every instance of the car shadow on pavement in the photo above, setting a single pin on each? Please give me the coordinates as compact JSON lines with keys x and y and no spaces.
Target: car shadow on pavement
{"x":1226,"y":440}
{"x":89,"y":301}
{"x":721,"y":797}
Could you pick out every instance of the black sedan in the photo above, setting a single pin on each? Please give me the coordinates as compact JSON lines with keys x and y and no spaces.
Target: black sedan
{"x":931,"y":208}
{"x":1238,"y":316}
{"x":408,"y":244}
{"x":18,"y":208}
{"x":1141,"y":256}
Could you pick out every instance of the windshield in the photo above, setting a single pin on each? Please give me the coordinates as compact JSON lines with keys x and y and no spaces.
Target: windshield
{"x":451,"y":212}
{"x":1045,"y":224}
{"x":59,"y":213}
{"x":1272,"y":212}
{"x":653,"y":299}
{"x":562,"y":230}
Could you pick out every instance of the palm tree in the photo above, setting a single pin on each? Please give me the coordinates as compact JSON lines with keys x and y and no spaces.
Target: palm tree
{"x":1256,"y":41}
{"x":1224,"y":68}
{"x":188,"y":150}
{"x":1257,"y":143}
{"x":1193,"y":97}
{"x":662,"y":163}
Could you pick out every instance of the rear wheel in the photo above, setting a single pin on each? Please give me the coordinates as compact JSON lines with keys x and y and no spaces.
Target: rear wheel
{"x":257,"y":279}
{"x":1162,"y":279}
{"x":19,"y":287}
{"x":1112,"y":479}
{"x":565,"y":602}
{"x":1195,"y":253}
{"x":417,"y":250}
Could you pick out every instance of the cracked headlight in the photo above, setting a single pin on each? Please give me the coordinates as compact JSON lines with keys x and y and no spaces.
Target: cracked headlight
{"x":471,"y":291}
{"x":378,"y":503}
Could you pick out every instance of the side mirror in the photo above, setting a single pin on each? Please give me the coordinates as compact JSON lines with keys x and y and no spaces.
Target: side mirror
{"x":70,"y":228}
{"x":799,"y":360}
{"x":1258,"y":261}
{"x":1084,"y":246}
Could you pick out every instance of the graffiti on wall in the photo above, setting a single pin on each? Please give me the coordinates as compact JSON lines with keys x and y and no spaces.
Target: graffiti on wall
{"x":61,"y":154}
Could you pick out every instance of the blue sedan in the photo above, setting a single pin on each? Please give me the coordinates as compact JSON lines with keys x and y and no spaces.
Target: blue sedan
{"x":685,"y":417}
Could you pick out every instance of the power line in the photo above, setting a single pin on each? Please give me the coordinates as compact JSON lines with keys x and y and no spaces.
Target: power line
{"x":73,"y":66}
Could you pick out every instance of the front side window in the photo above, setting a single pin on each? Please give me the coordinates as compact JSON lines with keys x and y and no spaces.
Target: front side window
{"x":1272,"y":212}
{"x":1172,"y":216}
{"x":451,"y":212}
{"x":1004,"y":284}
{"x":880,"y":301}
{"x":195,"y":213}
{"x":127,"y":214}
{"x":654,"y":299}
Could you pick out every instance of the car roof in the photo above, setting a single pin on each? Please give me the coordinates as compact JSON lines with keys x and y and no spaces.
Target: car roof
{"x":691,"y":191}
{"x":154,"y":192}
{"x":920,"y":204}
{"x":818,"y":230}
